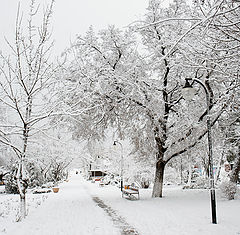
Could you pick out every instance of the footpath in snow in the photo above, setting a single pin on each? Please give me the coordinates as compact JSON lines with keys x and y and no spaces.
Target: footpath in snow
{"x":84,"y":208}
{"x":71,"y":211}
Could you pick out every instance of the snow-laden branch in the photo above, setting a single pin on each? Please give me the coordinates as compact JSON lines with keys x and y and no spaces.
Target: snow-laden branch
{"x":191,"y":28}
{"x":190,"y":146}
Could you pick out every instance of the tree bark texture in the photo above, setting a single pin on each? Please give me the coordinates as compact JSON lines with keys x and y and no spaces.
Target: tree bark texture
{"x":158,"y":182}
{"x":23,"y":211}
{"x":22,"y":187}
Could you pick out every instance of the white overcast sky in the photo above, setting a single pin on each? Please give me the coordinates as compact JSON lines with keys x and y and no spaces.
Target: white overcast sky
{"x":72,"y":17}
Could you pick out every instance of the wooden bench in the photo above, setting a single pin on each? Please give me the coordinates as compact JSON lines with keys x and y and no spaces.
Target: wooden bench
{"x":130,"y":192}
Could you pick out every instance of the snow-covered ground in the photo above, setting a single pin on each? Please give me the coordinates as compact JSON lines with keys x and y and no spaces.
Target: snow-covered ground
{"x":70,"y":211}
{"x":82,"y":207}
{"x":9,"y":207}
{"x":178,"y":212}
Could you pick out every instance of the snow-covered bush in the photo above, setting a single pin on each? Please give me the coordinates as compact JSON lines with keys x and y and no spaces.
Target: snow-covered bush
{"x":171,"y":176}
{"x":3,"y":173}
{"x":58,"y":169}
{"x":145,"y":183}
{"x":228,"y":189}
{"x":142,"y":179}
{"x":11,"y":180}
{"x":48,"y":170}
{"x":201,"y":183}
{"x":35,"y":175}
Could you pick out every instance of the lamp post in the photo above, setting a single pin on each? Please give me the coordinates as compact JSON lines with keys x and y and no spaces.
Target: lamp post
{"x":115,"y":142}
{"x":188,"y":93}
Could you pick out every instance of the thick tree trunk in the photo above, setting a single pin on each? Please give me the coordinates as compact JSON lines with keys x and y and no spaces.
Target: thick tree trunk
{"x":158,"y":182}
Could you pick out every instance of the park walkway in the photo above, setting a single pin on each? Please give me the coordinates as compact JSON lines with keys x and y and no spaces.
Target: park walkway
{"x":73,"y":211}
{"x":84,"y":208}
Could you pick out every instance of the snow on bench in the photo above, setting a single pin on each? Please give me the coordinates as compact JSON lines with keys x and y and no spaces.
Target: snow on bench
{"x":130,"y":192}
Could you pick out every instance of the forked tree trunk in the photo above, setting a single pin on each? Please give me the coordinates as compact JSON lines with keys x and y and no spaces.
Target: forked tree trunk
{"x":158,"y":182}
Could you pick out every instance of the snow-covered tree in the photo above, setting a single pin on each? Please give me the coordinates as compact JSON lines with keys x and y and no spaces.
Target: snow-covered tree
{"x":214,"y":53}
{"x":26,"y":76}
{"x":114,"y":80}
{"x":196,"y":46}
{"x":119,"y":88}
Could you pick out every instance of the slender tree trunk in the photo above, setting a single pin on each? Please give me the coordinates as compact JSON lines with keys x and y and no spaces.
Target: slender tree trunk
{"x":206,"y":167}
{"x":22,"y":190}
{"x":21,"y":175}
{"x":23,"y":211}
{"x":158,"y":182}
{"x":181,"y":172}
{"x":189,"y":182}
{"x":219,"y":169}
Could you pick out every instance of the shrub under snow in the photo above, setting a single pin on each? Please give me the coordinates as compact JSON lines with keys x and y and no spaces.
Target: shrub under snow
{"x":228,"y":189}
